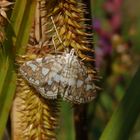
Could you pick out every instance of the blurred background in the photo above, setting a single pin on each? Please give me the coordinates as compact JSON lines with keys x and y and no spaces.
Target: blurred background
{"x":116,"y":27}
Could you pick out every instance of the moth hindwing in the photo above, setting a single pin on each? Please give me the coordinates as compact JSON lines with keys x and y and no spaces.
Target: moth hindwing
{"x":60,"y":75}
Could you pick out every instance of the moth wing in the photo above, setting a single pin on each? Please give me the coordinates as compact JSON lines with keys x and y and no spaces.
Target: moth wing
{"x":40,"y":71}
{"x":48,"y":91}
{"x":82,"y":90}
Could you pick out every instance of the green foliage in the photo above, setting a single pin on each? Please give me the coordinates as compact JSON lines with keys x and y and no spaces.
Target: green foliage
{"x":7,"y":72}
{"x":123,"y":119}
{"x":66,"y":131}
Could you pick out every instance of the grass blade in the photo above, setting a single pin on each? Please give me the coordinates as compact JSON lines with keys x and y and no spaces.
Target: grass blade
{"x":25,"y":10}
{"x":124,"y":117}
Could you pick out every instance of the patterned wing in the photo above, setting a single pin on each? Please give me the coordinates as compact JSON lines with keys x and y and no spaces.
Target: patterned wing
{"x":43,"y":74}
{"x":78,"y":86}
{"x":49,"y":91}
{"x":63,"y":74}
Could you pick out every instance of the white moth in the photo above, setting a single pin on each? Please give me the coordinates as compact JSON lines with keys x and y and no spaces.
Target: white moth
{"x":60,"y":75}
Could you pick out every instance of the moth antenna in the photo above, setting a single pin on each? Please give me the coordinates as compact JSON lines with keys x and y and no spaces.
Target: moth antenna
{"x":57,"y":32}
{"x":54,"y":44}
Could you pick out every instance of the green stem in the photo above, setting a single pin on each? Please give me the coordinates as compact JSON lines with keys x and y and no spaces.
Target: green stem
{"x":17,"y":37}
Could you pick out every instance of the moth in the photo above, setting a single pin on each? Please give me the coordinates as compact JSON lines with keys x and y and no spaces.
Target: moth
{"x":60,"y":75}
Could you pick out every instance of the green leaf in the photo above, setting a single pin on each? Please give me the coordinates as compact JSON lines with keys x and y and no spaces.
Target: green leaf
{"x":6,"y":100}
{"x":3,"y":72}
{"x":17,"y":34}
{"x":23,"y":34}
{"x":66,"y":131}
{"x":124,"y":117}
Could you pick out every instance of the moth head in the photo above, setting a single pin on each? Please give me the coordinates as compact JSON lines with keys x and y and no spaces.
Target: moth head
{"x":72,"y":52}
